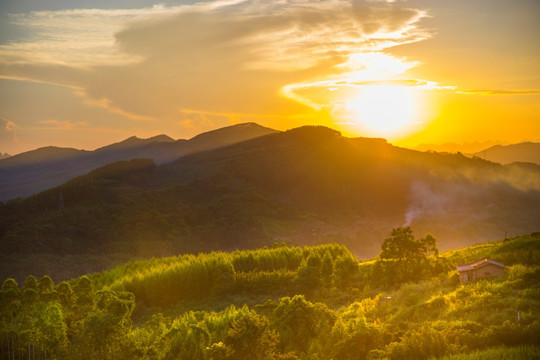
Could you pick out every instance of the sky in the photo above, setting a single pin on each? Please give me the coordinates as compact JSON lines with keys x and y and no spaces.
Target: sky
{"x":85,"y":74}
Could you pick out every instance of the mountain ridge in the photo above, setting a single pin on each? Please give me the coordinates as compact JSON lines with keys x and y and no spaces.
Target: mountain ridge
{"x":304,"y":186}
{"x":37,"y":170}
{"x":506,"y":154}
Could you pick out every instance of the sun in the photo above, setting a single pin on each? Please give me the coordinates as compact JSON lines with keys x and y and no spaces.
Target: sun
{"x":383,"y":110}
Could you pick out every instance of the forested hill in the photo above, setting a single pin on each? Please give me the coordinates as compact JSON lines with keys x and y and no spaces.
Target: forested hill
{"x":305,"y":186}
{"x":285,"y":303}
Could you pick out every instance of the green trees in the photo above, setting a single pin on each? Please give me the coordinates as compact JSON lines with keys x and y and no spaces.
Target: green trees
{"x":327,"y":270}
{"x":348,"y":318}
{"x":300,"y":323}
{"x":404,"y":258}
{"x":249,"y":337}
{"x":309,"y":273}
{"x":266,"y":271}
{"x":106,"y":329}
{"x":51,"y":331}
{"x":402,"y":245}
{"x":32,"y":321}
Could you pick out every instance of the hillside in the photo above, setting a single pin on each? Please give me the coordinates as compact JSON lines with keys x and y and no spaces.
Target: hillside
{"x":505,"y":154}
{"x":37,"y":170}
{"x":290,"y":303}
{"x":464,"y":148}
{"x":305,"y":186}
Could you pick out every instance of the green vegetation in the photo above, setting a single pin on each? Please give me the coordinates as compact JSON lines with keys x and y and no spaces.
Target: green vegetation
{"x":284,"y":302}
{"x":500,"y":353}
{"x":305,"y":186}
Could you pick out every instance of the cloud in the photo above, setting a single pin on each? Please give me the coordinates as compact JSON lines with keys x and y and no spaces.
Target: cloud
{"x":8,"y":131}
{"x":107,"y":104}
{"x":79,"y":37}
{"x":222,"y":57}
{"x":7,"y":127}
{"x":501,"y":92}
{"x":385,"y":1}
{"x":63,"y":125}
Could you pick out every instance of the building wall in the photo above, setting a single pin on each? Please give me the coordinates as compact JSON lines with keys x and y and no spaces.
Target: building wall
{"x":464,"y":277}
{"x":483,"y":272}
{"x":489,"y":270}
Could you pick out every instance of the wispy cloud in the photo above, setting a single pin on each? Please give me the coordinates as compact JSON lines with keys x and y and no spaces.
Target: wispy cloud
{"x":108,"y":105}
{"x":63,"y":125}
{"x":82,"y":37}
{"x":67,"y":126}
{"x":223,"y":57}
{"x":8,"y":132}
{"x":7,"y":127}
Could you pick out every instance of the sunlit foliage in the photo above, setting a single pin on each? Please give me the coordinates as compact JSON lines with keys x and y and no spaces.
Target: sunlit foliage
{"x":284,"y":303}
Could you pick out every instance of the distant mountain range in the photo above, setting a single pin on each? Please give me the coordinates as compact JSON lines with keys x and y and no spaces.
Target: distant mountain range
{"x":465,"y":148}
{"x":37,"y":170}
{"x":506,"y":154}
{"x":4,"y":156}
{"x":503,"y":154}
{"x":304,"y":186}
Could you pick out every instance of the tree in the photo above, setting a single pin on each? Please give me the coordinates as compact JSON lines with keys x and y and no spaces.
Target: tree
{"x":9,"y":306}
{"x":45,"y":287}
{"x":429,"y":245}
{"x":402,"y":245}
{"x":327,"y":270}
{"x":300,"y":323}
{"x":406,"y":258}
{"x":250,"y":337}
{"x":309,"y":272}
{"x":52,"y":328}
{"x":9,"y":297}
{"x":64,"y":293}
{"x":345,"y":269}
{"x":106,"y":329}
{"x":30,"y":283}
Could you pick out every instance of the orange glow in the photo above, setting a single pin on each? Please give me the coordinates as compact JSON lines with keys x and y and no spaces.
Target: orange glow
{"x":383,"y":111}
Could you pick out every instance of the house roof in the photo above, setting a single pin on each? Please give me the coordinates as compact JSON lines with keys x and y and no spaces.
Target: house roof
{"x":477,"y":264}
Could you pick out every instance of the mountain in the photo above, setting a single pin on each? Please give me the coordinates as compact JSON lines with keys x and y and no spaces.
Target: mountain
{"x":41,"y":155}
{"x":34,"y":171}
{"x":37,"y":170}
{"x":4,"y":156}
{"x":505,"y":154}
{"x":305,"y":186}
{"x":465,"y":148}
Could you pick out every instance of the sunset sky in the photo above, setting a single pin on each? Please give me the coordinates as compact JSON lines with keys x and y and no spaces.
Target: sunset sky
{"x":84,"y":74}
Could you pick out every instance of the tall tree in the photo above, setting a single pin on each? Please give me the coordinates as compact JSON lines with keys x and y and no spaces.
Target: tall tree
{"x":327,"y":270}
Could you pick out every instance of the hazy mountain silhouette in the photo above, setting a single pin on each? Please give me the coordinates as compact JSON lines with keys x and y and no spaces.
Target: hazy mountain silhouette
{"x":465,"y":148}
{"x":303,"y":186}
{"x":37,"y":170}
{"x":505,"y":154}
{"x":4,"y":156}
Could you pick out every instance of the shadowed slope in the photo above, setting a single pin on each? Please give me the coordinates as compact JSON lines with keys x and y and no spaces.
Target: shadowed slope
{"x":305,"y":186}
{"x":34,"y":171}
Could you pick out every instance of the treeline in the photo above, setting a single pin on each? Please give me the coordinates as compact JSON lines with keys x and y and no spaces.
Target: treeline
{"x":319,"y":303}
{"x":275,"y":272}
